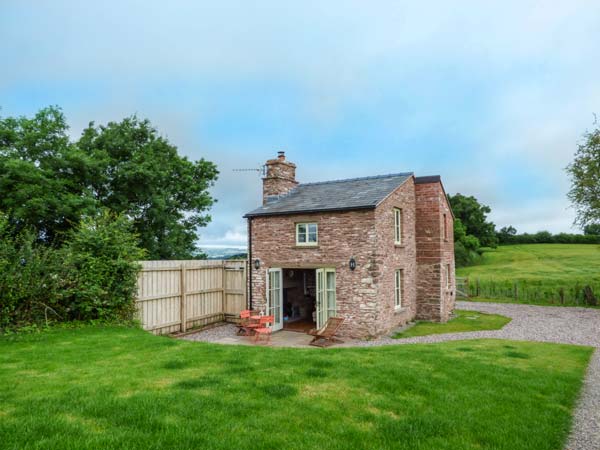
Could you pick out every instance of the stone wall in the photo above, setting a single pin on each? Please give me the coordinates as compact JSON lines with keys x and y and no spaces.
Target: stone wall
{"x":342,"y":235}
{"x":435,"y":294}
{"x":395,"y":257}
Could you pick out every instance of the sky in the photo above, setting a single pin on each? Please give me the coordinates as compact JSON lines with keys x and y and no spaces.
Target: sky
{"x":493,"y":96}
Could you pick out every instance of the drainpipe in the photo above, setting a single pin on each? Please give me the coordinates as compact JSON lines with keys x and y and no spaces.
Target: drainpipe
{"x":250,"y":266}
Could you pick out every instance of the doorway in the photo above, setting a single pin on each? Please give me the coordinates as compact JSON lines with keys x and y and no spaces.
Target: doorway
{"x":301,"y":299}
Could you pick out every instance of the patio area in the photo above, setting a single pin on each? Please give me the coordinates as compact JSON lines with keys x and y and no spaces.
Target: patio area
{"x":226,"y":334}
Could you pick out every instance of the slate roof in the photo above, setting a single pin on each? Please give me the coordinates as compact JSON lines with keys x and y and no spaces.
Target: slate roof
{"x":338,"y":195}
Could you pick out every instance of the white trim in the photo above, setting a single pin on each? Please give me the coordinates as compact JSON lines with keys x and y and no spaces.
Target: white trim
{"x":307,"y":233}
{"x":398,"y":213}
{"x":398,"y":288}
{"x":270,"y":310}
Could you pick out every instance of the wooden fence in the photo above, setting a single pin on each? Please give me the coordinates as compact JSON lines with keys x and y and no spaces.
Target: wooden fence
{"x":174,"y":296}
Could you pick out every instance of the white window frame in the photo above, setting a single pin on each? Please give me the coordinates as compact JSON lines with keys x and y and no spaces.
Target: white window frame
{"x":398,"y":226}
{"x":445,"y":227}
{"x":307,"y":225}
{"x":448,"y":276}
{"x":398,"y":288}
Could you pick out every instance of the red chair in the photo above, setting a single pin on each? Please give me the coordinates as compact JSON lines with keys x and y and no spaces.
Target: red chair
{"x":264,"y":328}
{"x":246,"y":325}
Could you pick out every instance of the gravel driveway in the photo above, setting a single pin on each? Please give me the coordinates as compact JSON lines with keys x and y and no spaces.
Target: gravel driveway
{"x":529,"y":323}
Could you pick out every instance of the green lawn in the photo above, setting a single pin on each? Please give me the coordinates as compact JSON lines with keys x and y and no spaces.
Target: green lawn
{"x":463,"y":321}
{"x":105,"y":388}
{"x":542,"y":273}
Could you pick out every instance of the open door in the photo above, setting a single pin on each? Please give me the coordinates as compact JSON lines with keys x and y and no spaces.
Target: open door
{"x":326,"y":301}
{"x":275,"y":297}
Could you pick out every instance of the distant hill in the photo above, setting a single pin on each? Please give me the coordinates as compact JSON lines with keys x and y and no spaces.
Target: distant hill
{"x":225,"y":253}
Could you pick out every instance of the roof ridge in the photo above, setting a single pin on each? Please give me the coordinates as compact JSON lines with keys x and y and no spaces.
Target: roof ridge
{"x":372,"y":177}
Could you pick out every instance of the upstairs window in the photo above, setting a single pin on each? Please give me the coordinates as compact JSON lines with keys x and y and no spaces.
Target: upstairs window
{"x":445,"y":225}
{"x":397,"y":226}
{"x":307,"y":234}
{"x":448,"y":276}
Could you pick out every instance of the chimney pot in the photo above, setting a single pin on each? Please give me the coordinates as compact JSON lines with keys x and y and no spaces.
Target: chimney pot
{"x":281,"y":155}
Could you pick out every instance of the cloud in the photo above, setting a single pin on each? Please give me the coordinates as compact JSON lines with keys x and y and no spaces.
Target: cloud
{"x":492,"y":96}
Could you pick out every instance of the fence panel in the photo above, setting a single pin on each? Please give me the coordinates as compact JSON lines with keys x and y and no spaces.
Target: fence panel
{"x":179,"y":295}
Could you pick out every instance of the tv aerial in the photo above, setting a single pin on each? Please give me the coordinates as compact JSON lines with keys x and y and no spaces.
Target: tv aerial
{"x":262,"y":170}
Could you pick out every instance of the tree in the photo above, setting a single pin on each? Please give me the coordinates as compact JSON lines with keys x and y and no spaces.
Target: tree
{"x":42,"y":175}
{"x":592,"y":229}
{"x":506,"y":235}
{"x":473,"y":216}
{"x":138,"y":173}
{"x":585,"y":180}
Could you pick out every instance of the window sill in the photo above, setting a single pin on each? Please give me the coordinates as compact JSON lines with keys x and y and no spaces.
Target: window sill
{"x":400,"y":310}
{"x":400,"y":245}
{"x":306,"y":246}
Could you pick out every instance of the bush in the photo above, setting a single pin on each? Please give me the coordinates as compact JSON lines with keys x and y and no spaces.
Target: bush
{"x":100,"y":260}
{"x":29,"y":279}
{"x":92,"y":277}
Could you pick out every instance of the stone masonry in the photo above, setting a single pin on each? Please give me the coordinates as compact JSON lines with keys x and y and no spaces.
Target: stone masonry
{"x":280,"y":178}
{"x":365,"y":296}
{"x":435,"y":252}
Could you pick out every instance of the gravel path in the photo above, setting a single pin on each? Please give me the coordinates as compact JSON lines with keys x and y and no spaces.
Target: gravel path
{"x":529,"y":323}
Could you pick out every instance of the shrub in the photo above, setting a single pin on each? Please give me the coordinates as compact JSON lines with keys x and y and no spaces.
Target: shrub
{"x":28,"y":278}
{"x":100,"y":260}
{"x":92,"y":277}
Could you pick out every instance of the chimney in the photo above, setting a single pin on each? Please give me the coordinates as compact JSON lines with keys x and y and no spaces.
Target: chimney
{"x":280,"y":178}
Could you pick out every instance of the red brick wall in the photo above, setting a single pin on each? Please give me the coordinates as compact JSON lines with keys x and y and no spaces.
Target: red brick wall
{"x":434,"y":252}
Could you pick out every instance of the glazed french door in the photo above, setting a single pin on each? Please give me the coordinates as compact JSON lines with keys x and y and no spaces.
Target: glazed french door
{"x":275,"y":297}
{"x":326,"y":301}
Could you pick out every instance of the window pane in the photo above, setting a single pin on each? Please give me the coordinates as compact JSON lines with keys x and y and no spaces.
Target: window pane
{"x":312,"y":237}
{"x":301,"y":228}
{"x":301,"y":237}
{"x":330,"y":280}
{"x":312,"y":228}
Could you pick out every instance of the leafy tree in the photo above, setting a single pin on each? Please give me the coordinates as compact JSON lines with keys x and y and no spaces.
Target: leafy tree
{"x":506,"y":234}
{"x":592,"y":229}
{"x":42,"y":175}
{"x":473,"y":215}
{"x":138,"y":173}
{"x":466,"y":246}
{"x":585,"y":180}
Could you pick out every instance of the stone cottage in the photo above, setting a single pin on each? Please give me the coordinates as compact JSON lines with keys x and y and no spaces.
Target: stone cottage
{"x":377,"y":251}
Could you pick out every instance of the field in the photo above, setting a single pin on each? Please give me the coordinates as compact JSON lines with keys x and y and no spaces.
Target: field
{"x":463,"y":321}
{"x":536,"y":273}
{"x":115,"y":387}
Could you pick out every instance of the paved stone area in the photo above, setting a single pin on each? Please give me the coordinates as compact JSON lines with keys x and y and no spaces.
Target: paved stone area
{"x":226,"y":334}
{"x":566,"y":325}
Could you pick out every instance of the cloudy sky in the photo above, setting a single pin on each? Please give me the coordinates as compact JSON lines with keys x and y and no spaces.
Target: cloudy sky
{"x":494,"y":96}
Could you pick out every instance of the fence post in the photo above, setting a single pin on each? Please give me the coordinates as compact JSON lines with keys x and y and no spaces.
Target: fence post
{"x":516,"y":291}
{"x":182,"y":305}
{"x":477,"y":287}
{"x":223,"y":291}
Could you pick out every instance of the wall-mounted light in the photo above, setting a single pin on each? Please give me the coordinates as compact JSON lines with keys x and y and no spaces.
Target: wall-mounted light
{"x":257,"y":264}
{"x":352,"y":263}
